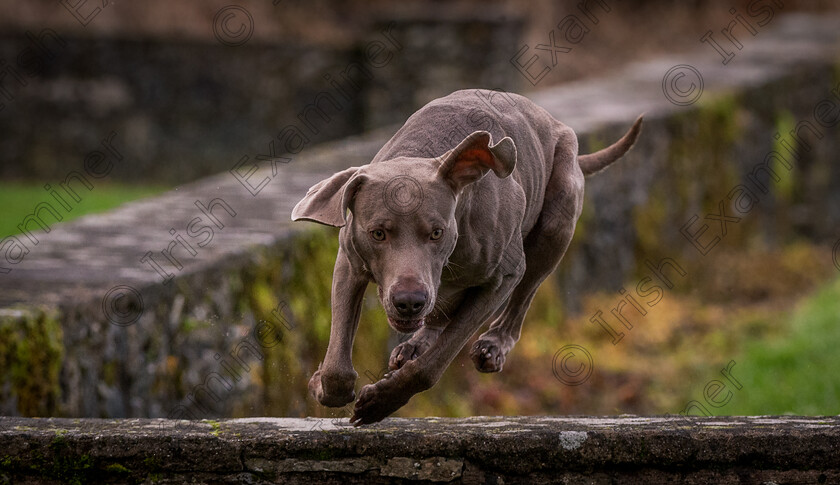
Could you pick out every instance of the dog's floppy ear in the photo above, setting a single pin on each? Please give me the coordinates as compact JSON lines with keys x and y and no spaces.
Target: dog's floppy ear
{"x":327,"y":201}
{"x":474,"y":157}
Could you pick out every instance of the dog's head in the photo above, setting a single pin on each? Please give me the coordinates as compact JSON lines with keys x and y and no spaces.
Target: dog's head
{"x":401,"y":218}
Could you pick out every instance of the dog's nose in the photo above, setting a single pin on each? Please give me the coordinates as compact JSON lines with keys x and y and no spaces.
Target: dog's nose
{"x":409,"y":303}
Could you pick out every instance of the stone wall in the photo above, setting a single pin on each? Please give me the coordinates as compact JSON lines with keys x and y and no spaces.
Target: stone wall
{"x":187,"y":109}
{"x":719,"y":160}
{"x":607,"y":450}
{"x":450,"y":52}
{"x":184,"y":109}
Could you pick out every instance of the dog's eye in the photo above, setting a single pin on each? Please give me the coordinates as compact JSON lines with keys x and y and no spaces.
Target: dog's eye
{"x":377,"y":235}
{"x":436,"y":234}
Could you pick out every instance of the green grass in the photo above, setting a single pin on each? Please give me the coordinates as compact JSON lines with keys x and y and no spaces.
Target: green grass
{"x":19,"y":199}
{"x":795,"y":373}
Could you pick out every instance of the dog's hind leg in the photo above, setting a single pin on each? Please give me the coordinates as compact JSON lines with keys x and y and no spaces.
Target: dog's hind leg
{"x":544,"y":248}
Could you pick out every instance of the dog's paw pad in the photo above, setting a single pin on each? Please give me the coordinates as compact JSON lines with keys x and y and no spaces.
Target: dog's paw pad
{"x":405,"y":352}
{"x":339,"y":396}
{"x":487,"y":355}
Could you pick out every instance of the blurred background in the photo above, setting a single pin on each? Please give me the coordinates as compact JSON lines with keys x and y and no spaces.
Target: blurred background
{"x":190,"y":87}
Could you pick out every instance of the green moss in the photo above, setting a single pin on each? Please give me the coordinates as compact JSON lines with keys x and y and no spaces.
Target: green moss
{"x":152,"y":467}
{"x":308,"y":288}
{"x":62,"y":462}
{"x":699,"y":172}
{"x":65,"y":465}
{"x":117,"y":468}
{"x":110,"y":372}
{"x":784,"y":188}
{"x":189,"y":324}
{"x":313,"y":260}
{"x":594,"y":141}
{"x":216,"y":427}
{"x":265,"y":290}
{"x":263,"y":297}
{"x":31,"y":352}
{"x":298,"y":278}
{"x":323,"y":454}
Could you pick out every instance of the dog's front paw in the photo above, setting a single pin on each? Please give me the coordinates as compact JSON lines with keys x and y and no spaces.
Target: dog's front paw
{"x":377,"y":402}
{"x":413,"y":347}
{"x":332,"y":390}
{"x":488,"y":354}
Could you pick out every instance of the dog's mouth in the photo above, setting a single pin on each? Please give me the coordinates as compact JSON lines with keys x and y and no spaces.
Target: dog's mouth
{"x":405,"y":326}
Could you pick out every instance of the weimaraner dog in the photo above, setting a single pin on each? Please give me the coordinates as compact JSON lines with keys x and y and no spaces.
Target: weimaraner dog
{"x":426,"y":203}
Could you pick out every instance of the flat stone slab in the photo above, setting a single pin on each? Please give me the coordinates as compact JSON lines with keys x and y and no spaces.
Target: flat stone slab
{"x":545,"y":449}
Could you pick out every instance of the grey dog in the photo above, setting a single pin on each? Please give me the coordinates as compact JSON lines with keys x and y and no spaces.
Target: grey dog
{"x":425,"y":203}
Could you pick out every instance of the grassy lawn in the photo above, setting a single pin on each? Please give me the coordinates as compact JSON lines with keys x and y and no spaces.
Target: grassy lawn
{"x":796,"y":372}
{"x":18,"y":199}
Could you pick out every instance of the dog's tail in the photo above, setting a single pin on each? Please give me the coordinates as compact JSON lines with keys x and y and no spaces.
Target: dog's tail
{"x":595,"y":162}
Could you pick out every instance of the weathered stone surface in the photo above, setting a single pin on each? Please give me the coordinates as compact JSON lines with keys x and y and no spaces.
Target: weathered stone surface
{"x":548,"y":449}
{"x":434,"y":469}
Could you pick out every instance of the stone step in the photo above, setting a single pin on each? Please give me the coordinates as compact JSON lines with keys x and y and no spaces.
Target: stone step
{"x":515,"y":449}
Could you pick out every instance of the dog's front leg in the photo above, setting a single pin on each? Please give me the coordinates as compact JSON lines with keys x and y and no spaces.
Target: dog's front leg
{"x":332,"y":384}
{"x":379,"y":400}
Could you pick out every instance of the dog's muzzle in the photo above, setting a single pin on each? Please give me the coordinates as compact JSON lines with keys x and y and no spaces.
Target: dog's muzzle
{"x":406,"y":309}
{"x":405,"y":326}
